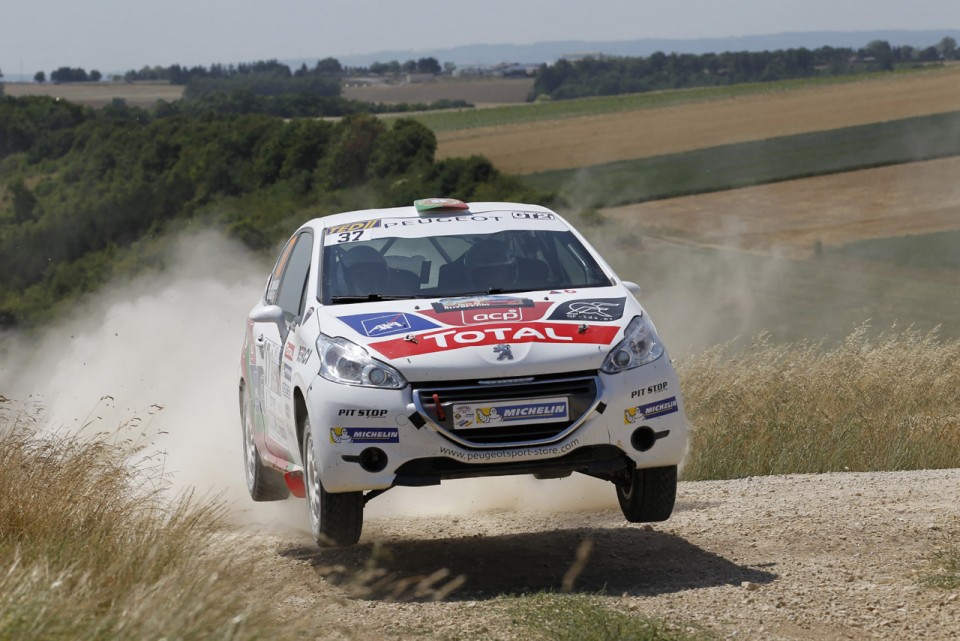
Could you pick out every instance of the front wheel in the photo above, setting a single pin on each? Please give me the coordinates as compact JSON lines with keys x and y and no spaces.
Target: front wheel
{"x":335,"y":518}
{"x":649,"y":495}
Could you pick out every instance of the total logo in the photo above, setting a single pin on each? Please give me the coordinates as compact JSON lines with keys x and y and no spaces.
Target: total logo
{"x":561,"y":333}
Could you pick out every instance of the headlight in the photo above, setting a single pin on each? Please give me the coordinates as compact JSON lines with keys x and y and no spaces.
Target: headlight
{"x":640,"y":345}
{"x":344,"y":362}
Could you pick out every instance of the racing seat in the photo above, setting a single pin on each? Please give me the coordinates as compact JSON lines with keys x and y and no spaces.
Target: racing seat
{"x":402,"y":282}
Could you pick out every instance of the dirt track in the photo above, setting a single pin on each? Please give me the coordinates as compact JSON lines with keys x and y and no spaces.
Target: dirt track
{"x":823,"y":557}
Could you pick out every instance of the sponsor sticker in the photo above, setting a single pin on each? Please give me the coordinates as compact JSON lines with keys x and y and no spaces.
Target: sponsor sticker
{"x":646,"y":391}
{"x":493,"y":414}
{"x":488,"y":315}
{"x":377,"y":325}
{"x":364,"y":435}
{"x":287,"y":371}
{"x":362,"y":413}
{"x":288,"y":352}
{"x":590,"y":309}
{"x":304,"y":354}
{"x":650,"y":410}
{"x":479,"y":302}
{"x":531,"y":215}
{"x":500,"y":334}
{"x":360,"y":225}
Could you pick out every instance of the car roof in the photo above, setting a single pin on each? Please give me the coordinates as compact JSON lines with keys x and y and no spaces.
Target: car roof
{"x":411,"y":212}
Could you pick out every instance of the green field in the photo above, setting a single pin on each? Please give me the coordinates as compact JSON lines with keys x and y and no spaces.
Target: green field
{"x":929,"y":251}
{"x":761,"y":162}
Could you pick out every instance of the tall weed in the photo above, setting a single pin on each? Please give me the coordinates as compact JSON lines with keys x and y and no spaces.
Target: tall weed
{"x":887,"y":403}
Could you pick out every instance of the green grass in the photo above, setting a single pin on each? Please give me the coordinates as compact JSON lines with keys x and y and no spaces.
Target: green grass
{"x":927,"y":251}
{"x":561,"y":109}
{"x":758,"y":162}
{"x":946,"y":570}
{"x":577,"y":617}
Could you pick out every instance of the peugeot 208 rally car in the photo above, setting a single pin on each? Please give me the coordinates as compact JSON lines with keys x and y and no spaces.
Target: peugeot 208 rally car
{"x":407,"y":346}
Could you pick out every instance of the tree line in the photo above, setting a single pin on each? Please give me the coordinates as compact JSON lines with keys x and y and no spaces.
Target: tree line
{"x":86,"y":189}
{"x":601,"y":76}
{"x":325,"y":68}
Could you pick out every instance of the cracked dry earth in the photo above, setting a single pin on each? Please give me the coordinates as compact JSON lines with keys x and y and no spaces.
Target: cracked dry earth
{"x":832,"y":556}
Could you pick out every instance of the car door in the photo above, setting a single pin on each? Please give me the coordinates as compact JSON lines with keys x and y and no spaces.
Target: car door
{"x":291,"y":348}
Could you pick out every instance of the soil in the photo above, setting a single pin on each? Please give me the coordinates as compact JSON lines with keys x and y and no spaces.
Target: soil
{"x":825,"y":557}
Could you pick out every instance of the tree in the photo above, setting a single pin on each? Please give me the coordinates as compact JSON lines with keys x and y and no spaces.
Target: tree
{"x":882,"y":52}
{"x":40,"y":77}
{"x":328,"y":67}
{"x":95,"y":75}
{"x":428,"y":65}
{"x":24,"y":202}
{"x":948,"y":48}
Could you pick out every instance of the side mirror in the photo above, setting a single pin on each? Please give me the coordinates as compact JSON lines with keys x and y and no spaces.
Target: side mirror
{"x":632,"y":287}
{"x":271,"y":314}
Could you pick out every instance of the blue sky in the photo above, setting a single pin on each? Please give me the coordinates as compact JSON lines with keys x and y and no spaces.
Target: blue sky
{"x":116,"y":35}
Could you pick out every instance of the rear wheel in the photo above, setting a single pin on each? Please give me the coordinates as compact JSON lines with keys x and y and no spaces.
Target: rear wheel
{"x":263,"y":483}
{"x":335,"y":518}
{"x":649,"y":495}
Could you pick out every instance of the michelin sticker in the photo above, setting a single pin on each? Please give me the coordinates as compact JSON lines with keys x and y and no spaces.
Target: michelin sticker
{"x":650,"y":410}
{"x":493,"y":414}
{"x":344,"y":435}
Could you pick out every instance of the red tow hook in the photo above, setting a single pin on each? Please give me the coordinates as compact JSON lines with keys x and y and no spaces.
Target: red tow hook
{"x":436,"y":403}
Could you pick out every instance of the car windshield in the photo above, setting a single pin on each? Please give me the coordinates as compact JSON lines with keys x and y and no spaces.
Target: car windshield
{"x":516,"y":260}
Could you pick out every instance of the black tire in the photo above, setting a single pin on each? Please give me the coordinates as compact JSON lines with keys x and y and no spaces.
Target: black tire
{"x":335,"y":518}
{"x":649,"y":495}
{"x":263,"y":483}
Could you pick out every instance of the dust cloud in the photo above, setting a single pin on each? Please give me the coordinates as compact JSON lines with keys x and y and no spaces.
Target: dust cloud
{"x":160,"y":356}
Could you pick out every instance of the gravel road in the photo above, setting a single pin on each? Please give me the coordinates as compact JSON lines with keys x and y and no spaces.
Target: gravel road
{"x":832,"y":556}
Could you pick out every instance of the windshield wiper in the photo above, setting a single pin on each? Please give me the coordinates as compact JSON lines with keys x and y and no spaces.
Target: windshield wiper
{"x":336,"y":300}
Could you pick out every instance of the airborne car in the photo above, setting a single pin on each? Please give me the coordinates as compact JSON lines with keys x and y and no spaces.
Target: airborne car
{"x":411,"y":345}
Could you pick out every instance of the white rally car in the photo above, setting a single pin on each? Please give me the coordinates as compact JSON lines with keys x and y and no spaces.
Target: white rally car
{"x":405,"y":346}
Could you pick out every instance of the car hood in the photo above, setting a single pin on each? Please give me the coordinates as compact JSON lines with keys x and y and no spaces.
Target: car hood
{"x":488,"y":336}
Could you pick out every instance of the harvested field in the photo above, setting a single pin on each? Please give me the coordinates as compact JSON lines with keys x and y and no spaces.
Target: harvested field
{"x":98,"y":94}
{"x":788,"y":218}
{"x":482,"y":92}
{"x":578,"y":142}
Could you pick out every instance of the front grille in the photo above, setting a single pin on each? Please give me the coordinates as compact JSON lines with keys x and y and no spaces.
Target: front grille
{"x":579,"y":391}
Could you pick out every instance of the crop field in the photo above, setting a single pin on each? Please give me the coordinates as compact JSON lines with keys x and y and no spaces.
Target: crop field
{"x":537,"y":146}
{"x":98,"y":94}
{"x":791,"y":218}
{"x":480,"y":92}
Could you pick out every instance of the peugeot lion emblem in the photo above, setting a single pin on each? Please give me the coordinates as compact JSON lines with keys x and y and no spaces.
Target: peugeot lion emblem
{"x":503,"y":353}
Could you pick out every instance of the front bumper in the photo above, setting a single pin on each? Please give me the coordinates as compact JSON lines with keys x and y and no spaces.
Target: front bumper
{"x":373,"y":439}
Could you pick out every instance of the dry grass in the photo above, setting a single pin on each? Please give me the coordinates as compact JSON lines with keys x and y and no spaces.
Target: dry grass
{"x":92,"y":550}
{"x":889,"y":403}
